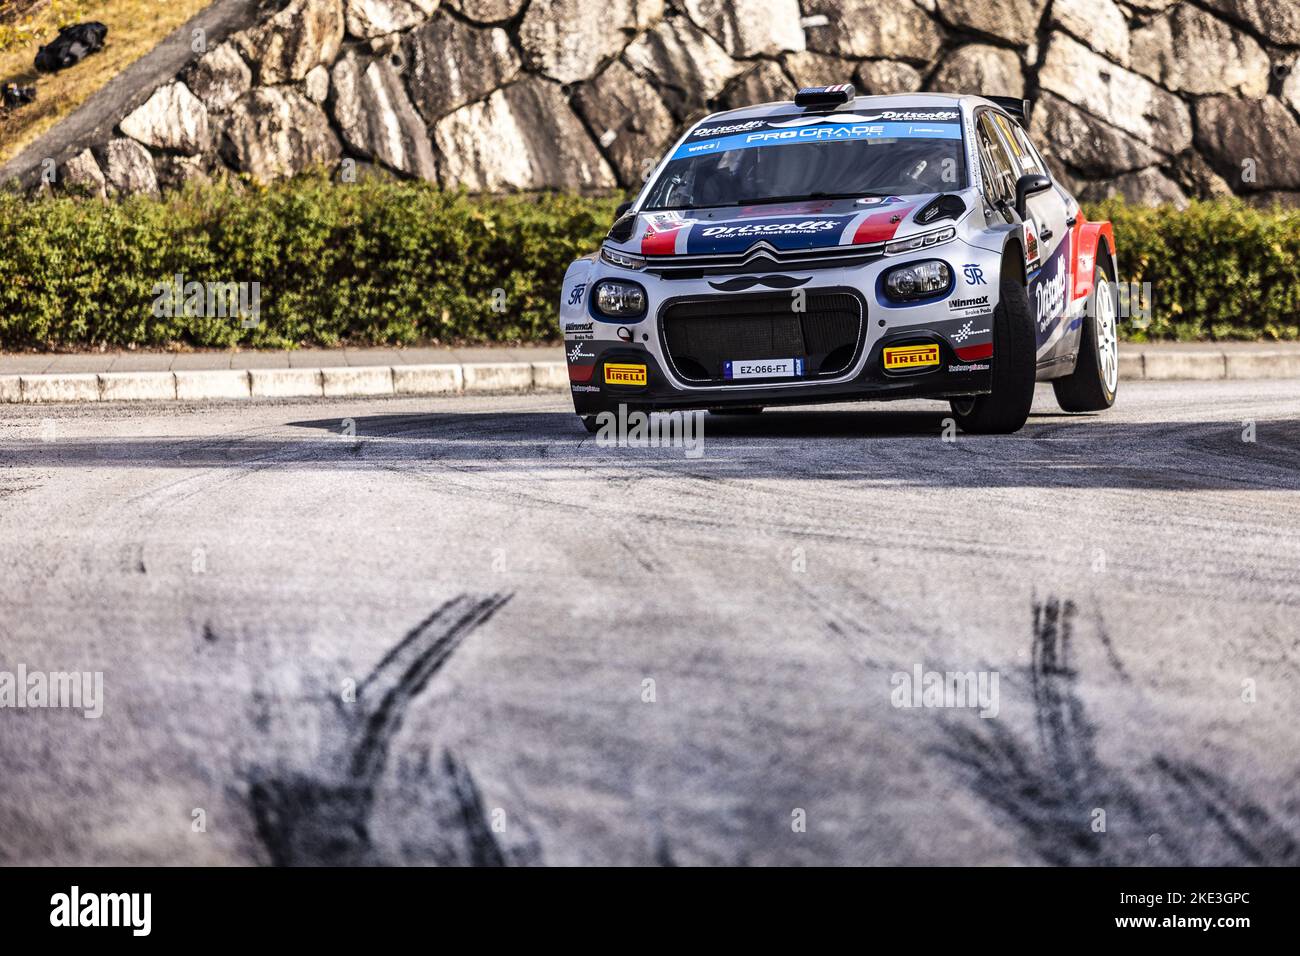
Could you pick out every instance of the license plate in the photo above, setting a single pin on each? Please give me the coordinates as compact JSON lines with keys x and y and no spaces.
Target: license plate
{"x":763,"y":368}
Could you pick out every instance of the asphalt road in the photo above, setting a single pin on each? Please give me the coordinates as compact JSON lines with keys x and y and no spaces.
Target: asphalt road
{"x":500,"y":590}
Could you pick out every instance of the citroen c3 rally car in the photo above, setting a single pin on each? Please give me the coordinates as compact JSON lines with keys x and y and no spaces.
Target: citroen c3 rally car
{"x":847,"y":247}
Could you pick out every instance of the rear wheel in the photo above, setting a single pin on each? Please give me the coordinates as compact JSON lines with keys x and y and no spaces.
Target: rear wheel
{"x":1091,"y":387}
{"x":1006,"y":408}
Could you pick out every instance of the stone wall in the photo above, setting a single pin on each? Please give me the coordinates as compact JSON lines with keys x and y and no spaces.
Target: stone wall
{"x":1155,"y":99}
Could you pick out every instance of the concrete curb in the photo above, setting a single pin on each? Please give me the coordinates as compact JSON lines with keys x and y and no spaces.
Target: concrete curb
{"x":487,"y":377}
{"x":193,"y":386}
{"x":344,"y":382}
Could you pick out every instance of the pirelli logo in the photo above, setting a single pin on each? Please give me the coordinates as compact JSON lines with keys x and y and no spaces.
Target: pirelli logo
{"x":911,"y":356}
{"x":626,"y":374}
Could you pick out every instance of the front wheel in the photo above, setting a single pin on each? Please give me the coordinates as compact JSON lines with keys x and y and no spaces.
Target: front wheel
{"x":1091,"y":387}
{"x":1006,"y":408}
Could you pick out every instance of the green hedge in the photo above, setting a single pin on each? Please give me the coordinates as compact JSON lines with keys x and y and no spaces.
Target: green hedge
{"x":1216,"y":270}
{"x":382,"y":262}
{"x":372,"y":262}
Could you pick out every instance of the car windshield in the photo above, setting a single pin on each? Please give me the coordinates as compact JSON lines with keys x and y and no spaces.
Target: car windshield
{"x":789,"y":158}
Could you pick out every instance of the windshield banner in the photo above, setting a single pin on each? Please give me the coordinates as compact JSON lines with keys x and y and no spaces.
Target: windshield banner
{"x":838,"y":128}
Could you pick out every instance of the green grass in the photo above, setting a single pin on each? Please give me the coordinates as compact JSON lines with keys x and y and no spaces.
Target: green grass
{"x":134,"y":28}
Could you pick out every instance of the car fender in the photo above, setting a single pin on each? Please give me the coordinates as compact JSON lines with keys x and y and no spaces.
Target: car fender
{"x":575,"y":321}
{"x":1007,"y":236}
{"x":1087,"y":236}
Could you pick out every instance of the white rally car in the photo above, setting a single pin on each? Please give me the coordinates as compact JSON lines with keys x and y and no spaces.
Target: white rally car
{"x":846,"y":247}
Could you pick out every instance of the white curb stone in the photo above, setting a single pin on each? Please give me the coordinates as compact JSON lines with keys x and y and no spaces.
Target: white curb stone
{"x":71,"y":387}
{"x":1130,"y":365}
{"x":345,"y":382}
{"x":285,"y":382}
{"x":498,"y":376}
{"x":551,"y":376}
{"x":203,"y":384}
{"x":518,"y":377}
{"x":1245,"y":365}
{"x":1183,"y":366}
{"x":445,"y":379}
{"x":136,"y":386}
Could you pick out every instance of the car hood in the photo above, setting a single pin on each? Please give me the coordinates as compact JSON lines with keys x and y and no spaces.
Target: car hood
{"x":809,"y":224}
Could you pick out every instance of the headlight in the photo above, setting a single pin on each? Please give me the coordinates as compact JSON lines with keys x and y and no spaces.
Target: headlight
{"x":621,"y":259}
{"x":619,"y":300}
{"x":919,"y":241}
{"x":918,"y":280}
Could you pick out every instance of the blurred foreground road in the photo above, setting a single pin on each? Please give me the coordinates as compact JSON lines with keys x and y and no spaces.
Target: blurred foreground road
{"x":458,"y":631}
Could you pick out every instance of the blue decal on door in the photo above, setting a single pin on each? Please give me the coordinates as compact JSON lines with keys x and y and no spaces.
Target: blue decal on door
{"x":1047,"y":293}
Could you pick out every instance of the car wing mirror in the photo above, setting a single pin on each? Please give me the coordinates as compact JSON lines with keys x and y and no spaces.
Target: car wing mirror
{"x":1028,"y":185}
{"x":622,"y":209}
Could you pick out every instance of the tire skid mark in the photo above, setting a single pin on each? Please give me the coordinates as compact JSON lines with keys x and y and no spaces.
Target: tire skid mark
{"x":405,"y":671}
{"x":1167,"y":813}
{"x":484,"y":850}
{"x":1112,"y":656}
{"x":848,"y":613}
{"x":323,"y":817}
{"x":1247,"y":826}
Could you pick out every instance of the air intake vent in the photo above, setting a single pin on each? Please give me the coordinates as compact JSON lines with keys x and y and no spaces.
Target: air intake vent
{"x":700,"y":335}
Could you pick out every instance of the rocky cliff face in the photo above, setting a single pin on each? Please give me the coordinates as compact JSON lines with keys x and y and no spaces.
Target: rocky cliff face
{"x":1157,"y":100}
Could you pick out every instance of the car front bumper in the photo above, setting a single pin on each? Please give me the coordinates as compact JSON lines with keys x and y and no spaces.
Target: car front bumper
{"x":835,"y":321}
{"x":953,"y":377}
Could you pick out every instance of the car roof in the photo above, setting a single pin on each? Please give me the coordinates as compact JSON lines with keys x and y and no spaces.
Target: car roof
{"x":881,"y":102}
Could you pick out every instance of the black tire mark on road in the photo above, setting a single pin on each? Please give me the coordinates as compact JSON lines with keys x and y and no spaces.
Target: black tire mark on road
{"x":1064,"y":732}
{"x":322,"y":818}
{"x":1248,"y":827}
{"x":405,"y":671}
{"x":1112,"y":656}
{"x":1183,"y":814}
{"x":483,"y":847}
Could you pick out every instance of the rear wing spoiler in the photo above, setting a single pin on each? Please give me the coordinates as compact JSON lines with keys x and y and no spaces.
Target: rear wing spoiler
{"x":1016,"y":107}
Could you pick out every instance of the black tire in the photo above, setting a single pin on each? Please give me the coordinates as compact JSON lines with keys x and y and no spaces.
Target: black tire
{"x":1006,"y":408}
{"x":1091,"y":387}
{"x":744,"y":410}
{"x":589,"y":423}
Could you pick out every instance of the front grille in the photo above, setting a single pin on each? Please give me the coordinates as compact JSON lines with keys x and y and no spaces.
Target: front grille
{"x":762,"y":260}
{"x":700,"y":335}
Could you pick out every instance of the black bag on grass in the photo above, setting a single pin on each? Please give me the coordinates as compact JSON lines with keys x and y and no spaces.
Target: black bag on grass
{"x":15,"y":96}
{"x":71,"y":46}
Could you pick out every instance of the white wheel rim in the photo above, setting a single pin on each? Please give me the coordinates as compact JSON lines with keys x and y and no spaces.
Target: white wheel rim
{"x":1107,"y":336}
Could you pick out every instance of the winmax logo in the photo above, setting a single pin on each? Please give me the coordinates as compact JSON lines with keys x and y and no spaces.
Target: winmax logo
{"x":807,"y":226}
{"x":974,"y":302}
